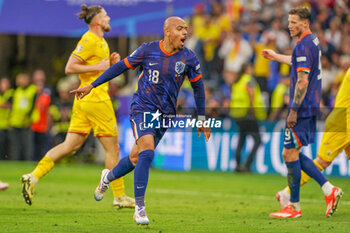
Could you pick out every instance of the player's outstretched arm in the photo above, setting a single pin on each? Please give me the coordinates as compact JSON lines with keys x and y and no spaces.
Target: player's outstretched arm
{"x":75,"y":66}
{"x":113,"y":71}
{"x":109,"y":74}
{"x":81,"y":92}
{"x":273,"y":56}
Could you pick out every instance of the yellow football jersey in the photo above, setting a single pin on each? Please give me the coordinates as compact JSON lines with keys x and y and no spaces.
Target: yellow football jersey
{"x":343,"y":97}
{"x":340,"y":116}
{"x":336,"y":137}
{"x":91,"y":50}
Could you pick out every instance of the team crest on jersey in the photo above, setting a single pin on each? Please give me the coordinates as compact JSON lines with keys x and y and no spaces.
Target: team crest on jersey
{"x":179,"y":67}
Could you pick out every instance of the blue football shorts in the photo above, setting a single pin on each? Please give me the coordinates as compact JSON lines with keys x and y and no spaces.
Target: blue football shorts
{"x":138,"y":128}
{"x":302,"y":134}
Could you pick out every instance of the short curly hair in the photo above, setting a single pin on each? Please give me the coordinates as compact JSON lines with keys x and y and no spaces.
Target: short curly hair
{"x":302,"y":12}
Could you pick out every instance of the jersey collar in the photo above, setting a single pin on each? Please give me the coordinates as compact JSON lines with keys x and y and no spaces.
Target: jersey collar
{"x":303,"y":35}
{"x":164,"y":51}
{"x":94,"y":35}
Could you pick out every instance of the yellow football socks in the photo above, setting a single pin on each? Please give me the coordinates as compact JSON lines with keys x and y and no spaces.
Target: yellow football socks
{"x":118,"y":187}
{"x":44,"y":166}
{"x":305,"y":177}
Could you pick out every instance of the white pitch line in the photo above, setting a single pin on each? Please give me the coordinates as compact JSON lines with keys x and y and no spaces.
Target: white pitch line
{"x":228,"y":195}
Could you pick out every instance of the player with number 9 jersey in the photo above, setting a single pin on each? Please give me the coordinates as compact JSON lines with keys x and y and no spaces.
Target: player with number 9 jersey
{"x":306,"y":57}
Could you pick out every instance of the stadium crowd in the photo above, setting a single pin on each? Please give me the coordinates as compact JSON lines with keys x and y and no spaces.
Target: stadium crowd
{"x":228,"y":37}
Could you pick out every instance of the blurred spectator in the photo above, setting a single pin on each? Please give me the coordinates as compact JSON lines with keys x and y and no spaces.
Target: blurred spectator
{"x":20,"y":117}
{"x":209,"y":34}
{"x":328,"y":73}
{"x":39,"y":125}
{"x":212,"y":105}
{"x":327,"y":48}
{"x":345,"y":46}
{"x":280,"y":99}
{"x":38,"y":78}
{"x":198,"y":19}
{"x":61,"y":110}
{"x":247,"y":108}
{"x":341,"y":9}
{"x":331,"y":95}
{"x":192,"y":42}
{"x":324,"y":14}
{"x":220,"y":18}
{"x":6,"y":94}
{"x":114,"y":91}
{"x":277,"y":70}
{"x":333,"y":33}
{"x":229,"y":79}
{"x":345,"y":28}
{"x":262,"y":65}
{"x":236,"y":51}
{"x":344,"y":64}
{"x":185,"y":102}
{"x":280,"y":36}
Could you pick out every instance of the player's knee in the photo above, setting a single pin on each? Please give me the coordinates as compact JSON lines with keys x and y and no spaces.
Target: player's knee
{"x":72,"y":152}
{"x":285,"y":154}
{"x":146,"y":145}
{"x":289,"y":155}
{"x":71,"y":149}
{"x":117,"y":148}
{"x":134,"y":159}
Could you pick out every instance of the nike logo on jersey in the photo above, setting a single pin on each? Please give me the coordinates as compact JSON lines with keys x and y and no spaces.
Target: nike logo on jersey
{"x":140,"y":187}
{"x":152,"y":64}
{"x":286,"y":143}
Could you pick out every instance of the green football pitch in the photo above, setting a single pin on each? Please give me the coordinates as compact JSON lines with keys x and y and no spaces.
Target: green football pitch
{"x":194,"y":201}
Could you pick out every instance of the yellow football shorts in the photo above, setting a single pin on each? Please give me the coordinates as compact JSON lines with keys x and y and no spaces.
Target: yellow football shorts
{"x":336,"y":137}
{"x":98,"y":116}
{"x":332,"y":144}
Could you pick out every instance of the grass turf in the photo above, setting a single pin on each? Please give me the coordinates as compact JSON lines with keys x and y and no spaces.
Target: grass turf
{"x":195,"y":201}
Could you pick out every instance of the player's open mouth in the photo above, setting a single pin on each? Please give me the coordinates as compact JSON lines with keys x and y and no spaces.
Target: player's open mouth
{"x":183,"y":41}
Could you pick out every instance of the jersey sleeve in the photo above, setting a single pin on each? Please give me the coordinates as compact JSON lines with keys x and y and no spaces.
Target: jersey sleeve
{"x":303,"y":58}
{"x":135,"y":59}
{"x":84,"y":49}
{"x":194,"y":69}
